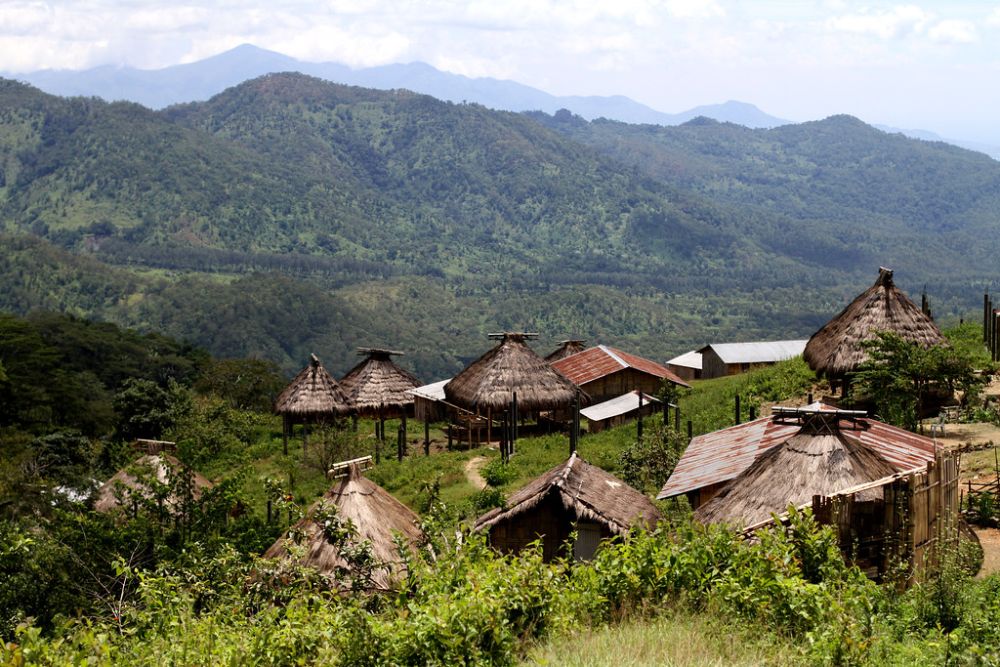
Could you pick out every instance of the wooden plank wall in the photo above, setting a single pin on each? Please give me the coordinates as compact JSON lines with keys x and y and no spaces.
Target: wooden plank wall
{"x":919,"y":519}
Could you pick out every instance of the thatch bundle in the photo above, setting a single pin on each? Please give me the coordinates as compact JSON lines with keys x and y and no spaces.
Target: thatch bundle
{"x":567,"y":348}
{"x":836,"y":349}
{"x":490,"y":382}
{"x":313,"y":394}
{"x":135,"y":479}
{"x":376,"y":515}
{"x":820,"y":460}
{"x":586,"y":492}
{"x":377,"y":387}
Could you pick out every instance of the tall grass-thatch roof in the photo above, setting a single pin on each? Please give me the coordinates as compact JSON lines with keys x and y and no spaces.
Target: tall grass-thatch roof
{"x":378,"y":518}
{"x":567,"y":348}
{"x":820,"y":459}
{"x":585,"y":491}
{"x":313,"y":393}
{"x":377,"y":386}
{"x":490,"y":382}
{"x":135,"y":480}
{"x":836,"y":349}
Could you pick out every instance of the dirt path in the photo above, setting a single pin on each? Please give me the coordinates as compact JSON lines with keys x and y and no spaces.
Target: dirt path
{"x":990,"y":539}
{"x":472,"y":468}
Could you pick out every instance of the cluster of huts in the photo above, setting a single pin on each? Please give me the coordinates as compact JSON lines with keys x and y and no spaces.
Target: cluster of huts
{"x":868,"y":479}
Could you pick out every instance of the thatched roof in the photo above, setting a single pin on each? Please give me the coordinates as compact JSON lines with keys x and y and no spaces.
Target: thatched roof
{"x":821,"y":459}
{"x":377,"y":386}
{"x":511,"y":366}
{"x":376,"y":515}
{"x":836,"y":349}
{"x":587,"y":492}
{"x":567,"y":348}
{"x":127,"y":481}
{"x":313,"y":393}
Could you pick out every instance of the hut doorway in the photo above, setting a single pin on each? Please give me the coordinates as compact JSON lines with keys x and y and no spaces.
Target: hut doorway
{"x":588,"y":539}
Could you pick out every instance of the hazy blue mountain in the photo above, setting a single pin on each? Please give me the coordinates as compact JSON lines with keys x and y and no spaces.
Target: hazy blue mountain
{"x":201,"y":80}
{"x":926,"y":135}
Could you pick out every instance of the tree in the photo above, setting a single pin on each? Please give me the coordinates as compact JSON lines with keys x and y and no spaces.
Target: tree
{"x":146,"y":410}
{"x":899,"y":376}
{"x":249,"y":384}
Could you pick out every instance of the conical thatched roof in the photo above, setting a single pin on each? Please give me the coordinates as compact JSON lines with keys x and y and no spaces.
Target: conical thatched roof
{"x":376,"y":515}
{"x":821,"y":459}
{"x":377,"y":386}
{"x":836,"y":349}
{"x":511,"y":366}
{"x":567,"y":348}
{"x":127,"y":481}
{"x":587,"y":492}
{"x":313,"y":393}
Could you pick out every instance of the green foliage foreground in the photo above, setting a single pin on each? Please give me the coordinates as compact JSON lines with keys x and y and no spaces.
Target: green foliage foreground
{"x":464,"y":604}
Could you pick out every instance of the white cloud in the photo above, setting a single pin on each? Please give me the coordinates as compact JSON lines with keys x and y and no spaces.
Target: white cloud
{"x":900,"y":21}
{"x":993,"y":20}
{"x":953,"y":31}
{"x":694,"y":9}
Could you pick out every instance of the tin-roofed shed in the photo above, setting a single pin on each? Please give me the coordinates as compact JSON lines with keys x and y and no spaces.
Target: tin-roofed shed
{"x":721,"y":359}
{"x":605,"y":372}
{"x":618,"y":411}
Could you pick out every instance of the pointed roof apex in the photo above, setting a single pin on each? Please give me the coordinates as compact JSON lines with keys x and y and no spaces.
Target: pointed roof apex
{"x":884,"y":277}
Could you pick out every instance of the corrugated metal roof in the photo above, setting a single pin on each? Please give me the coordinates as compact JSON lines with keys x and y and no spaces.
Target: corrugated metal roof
{"x":432,"y":392}
{"x":597,"y":362}
{"x":614,"y":407}
{"x":757,"y":353}
{"x":690,"y":359}
{"x":722,"y":455}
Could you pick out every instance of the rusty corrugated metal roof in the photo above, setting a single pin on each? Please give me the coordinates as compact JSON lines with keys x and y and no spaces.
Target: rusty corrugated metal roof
{"x":597,"y":362}
{"x":722,"y":455}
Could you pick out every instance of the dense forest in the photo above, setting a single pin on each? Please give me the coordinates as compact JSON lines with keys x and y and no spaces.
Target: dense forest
{"x":289,"y":215}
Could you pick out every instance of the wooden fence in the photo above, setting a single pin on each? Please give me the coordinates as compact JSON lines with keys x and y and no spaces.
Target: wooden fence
{"x":915,"y":520}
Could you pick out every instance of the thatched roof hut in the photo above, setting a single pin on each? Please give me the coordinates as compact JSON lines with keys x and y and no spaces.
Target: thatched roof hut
{"x":490,"y":382}
{"x":572,"y":496}
{"x":134,"y":480}
{"x":821,"y":459}
{"x":567,"y":348}
{"x":377,"y":516}
{"x":313,"y":394}
{"x":377,"y":387}
{"x":836,"y":349}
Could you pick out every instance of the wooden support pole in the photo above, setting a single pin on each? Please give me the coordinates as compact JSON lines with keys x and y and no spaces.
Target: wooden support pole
{"x":572,"y":427}
{"x":753,"y":412}
{"x":690,"y":430}
{"x":503,"y":438}
{"x":513,"y":423}
{"x":284,"y":435}
{"x":737,"y":412}
{"x":401,"y":441}
{"x":449,"y":433}
{"x":427,"y":436}
{"x":638,"y":423}
{"x":809,"y":398}
{"x":986,"y":317}
{"x":677,"y":418}
{"x":354,"y":422}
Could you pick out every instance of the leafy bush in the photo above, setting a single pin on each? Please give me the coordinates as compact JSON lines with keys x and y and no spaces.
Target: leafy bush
{"x":497,"y":473}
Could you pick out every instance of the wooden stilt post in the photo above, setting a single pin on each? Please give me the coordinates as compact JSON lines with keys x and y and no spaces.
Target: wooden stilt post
{"x":753,"y":412}
{"x":809,"y":398}
{"x":986,"y":317}
{"x":284,"y":435}
{"x":354,"y":422}
{"x":305,"y":437}
{"x":449,"y":433}
{"x":489,"y":425}
{"x":638,"y":423}
{"x":400,"y":441}
{"x":514,"y":416}
{"x":737,"y":414}
{"x":572,"y":428}
{"x":503,"y":438}
{"x":690,"y":430}
{"x":427,"y":436}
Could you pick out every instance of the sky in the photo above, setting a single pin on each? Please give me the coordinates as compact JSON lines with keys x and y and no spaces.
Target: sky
{"x":921,"y":65}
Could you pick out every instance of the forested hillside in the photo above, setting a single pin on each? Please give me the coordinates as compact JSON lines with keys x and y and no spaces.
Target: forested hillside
{"x":289,"y":215}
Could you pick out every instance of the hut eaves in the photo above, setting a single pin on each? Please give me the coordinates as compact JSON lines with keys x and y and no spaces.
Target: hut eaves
{"x":159,"y":467}
{"x":377,"y":386}
{"x":377,"y":516}
{"x":721,"y":455}
{"x":603,"y":360}
{"x":821,"y":458}
{"x":584,"y":490}
{"x":313,"y":393}
{"x":511,"y":366}
{"x":837,"y":348}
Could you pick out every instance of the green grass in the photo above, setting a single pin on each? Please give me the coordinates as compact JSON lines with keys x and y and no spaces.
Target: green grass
{"x":679,"y":639}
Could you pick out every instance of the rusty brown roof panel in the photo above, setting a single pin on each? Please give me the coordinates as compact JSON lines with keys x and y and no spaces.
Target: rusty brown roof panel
{"x":719,"y":456}
{"x":602,"y":360}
